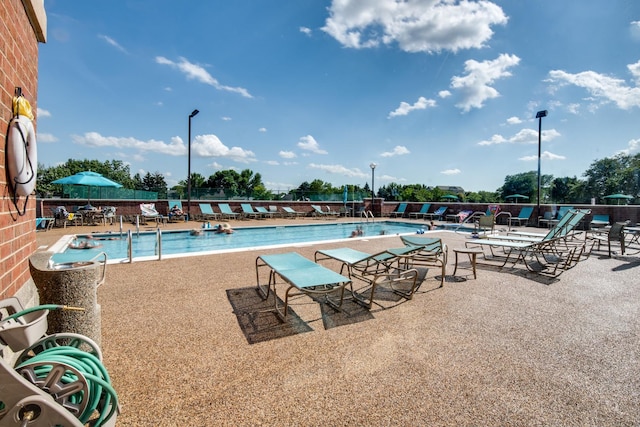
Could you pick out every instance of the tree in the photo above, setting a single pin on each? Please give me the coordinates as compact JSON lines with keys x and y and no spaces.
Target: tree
{"x":115,"y":170}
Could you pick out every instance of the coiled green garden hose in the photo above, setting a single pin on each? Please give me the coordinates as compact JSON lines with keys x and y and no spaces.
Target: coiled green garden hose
{"x":101,"y":395}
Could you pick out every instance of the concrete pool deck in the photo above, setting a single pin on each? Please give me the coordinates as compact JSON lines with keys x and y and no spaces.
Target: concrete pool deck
{"x":188,"y":343}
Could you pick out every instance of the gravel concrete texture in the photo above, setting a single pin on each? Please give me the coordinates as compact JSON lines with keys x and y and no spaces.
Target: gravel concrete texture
{"x":188,"y":343}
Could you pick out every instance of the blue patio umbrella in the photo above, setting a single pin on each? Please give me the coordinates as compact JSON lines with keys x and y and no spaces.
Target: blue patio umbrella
{"x":345,"y":195}
{"x":89,"y":179}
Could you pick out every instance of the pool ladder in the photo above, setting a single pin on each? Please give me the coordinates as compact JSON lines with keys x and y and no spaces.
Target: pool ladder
{"x":365,"y":215}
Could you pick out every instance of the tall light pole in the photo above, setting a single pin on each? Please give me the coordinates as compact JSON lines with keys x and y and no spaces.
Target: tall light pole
{"x":539,"y":116}
{"x":193,"y":114}
{"x":373,"y":169}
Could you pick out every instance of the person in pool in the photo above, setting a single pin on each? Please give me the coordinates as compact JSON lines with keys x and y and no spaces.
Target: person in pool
{"x":223,"y":228}
{"x":84,"y":244}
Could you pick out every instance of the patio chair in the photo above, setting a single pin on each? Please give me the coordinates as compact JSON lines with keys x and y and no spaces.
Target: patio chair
{"x":399,"y":211}
{"x":273,"y":209}
{"x":207,"y":212}
{"x":545,"y":219}
{"x":179,"y":214}
{"x":148,"y":211}
{"x":264,"y":212}
{"x":422,"y":212}
{"x":226,"y":212}
{"x":599,"y":221}
{"x":318,"y":212}
{"x":303,"y":277}
{"x":387,"y":267}
{"x":486,"y":222}
{"x":523,"y":216}
{"x":431,"y":253}
{"x":437,"y":214}
{"x":615,"y":235}
{"x":291,"y":213}
{"x":248,"y":212}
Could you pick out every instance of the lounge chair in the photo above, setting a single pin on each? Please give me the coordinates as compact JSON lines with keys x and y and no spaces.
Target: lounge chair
{"x":388,"y":267}
{"x":173,"y":217}
{"x":148,"y":211}
{"x":248,"y":212}
{"x":599,"y":221}
{"x":422,"y":212}
{"x":545,"y":219}
{"x":207,"y":212}
{"x":615,"y":235}
{"x":437,"y":214}
{"x":273,"y":209}
{"x":291,"y":213}
{"x":318,"y":212}
{"x":302,"y":275}
{"x":559,"y":214}
{"x":549,"y":255}
{"x":264,"y":212}
{"x":226,"y":212}
{"x":399,"y":211}
{"x":523,"y":216}
{"x":431,"y":253}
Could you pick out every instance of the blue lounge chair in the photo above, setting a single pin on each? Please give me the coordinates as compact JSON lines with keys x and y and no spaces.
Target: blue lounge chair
{"x":399,"y":211}
{"x":388,"y":267}
{"x":431,"y":253}
{"x":248,"y":212}
{"x":207,"y":212}
{"x":523,"y":216}
{"x":599,"y":221}
{"x":264,"y":212}
{"x":291,"y":213}
{"x":422,"y":212}
{"x":302,"y":275}
{"x":318,"y":212}
{"x":437,"y":214}
{"x":226,"y":212}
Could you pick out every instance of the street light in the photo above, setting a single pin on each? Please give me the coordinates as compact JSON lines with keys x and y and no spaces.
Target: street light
{"x":193,"y":114}
{"x":373,"y":168}
{"x":539,"y":116}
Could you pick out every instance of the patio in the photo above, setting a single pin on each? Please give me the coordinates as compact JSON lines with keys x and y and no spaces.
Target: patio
{"x":188,"y":343}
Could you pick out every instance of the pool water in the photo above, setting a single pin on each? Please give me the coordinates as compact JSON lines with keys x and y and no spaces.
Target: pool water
{"x":180,"y":242}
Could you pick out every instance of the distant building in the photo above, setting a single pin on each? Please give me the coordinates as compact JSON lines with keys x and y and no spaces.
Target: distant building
{"x":450,"y":189}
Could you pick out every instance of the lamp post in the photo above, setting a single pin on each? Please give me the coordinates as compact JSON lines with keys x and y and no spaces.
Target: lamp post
{"x":539,"y":116}
{"x":193,"y":114}
{"x":373,"y":169}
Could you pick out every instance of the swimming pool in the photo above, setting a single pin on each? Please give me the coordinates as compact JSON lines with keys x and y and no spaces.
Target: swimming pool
{"x":145,"y":245}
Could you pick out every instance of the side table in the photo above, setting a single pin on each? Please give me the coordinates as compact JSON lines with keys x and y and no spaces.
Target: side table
{"x":472,"y":253}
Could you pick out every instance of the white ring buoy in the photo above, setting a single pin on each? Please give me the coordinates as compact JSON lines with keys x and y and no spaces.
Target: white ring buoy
{"x":22,"y":155}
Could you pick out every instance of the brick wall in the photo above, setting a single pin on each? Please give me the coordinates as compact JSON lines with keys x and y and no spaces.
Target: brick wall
{"x":22,"y":26}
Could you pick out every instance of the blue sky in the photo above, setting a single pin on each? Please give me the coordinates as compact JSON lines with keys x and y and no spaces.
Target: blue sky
{"x":435,"y":92}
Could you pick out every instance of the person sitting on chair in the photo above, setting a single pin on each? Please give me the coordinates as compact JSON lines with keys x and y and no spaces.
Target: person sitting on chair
{"x":175,"y":211}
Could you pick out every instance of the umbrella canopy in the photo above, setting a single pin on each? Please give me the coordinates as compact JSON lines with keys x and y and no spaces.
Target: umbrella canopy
{"x":516,"y":197}
{"x":450,"y":197}
{"x":618,"y":197}
{"x":345,"y":195}
{"x":87,"y":178}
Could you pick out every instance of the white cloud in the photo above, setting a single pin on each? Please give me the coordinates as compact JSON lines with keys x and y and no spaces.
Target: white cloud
{"x":225,"y":119}
{"x":310,"y":144}
{"x":415,"y":26}
{"x":262,"y":130}
{"x":197,"y":72}
{"x":421,"y":104}
{"x":113,"y":43}
{"x":398,"y":150}
{"x":211,"y":146}
{"x":603,"y":88}
{"x":451,"y":172}
{"x":545,"y":155}
{"x":203,"y":145}
{"x":93,"y":139}
{"x":287,"y":154}
{"x":40,"y":113}
{"x":514,"y":120}
{"x":45,"y":137}
{"x":524,"y":136}
{"x":305,"y":30}
{"x":474,"y":86}
{"x":339,"y":170}
{"x":272,"y":162}
{"x":633,"y":147}
{"x":444,"y":94}
{"x":634,"y":28}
